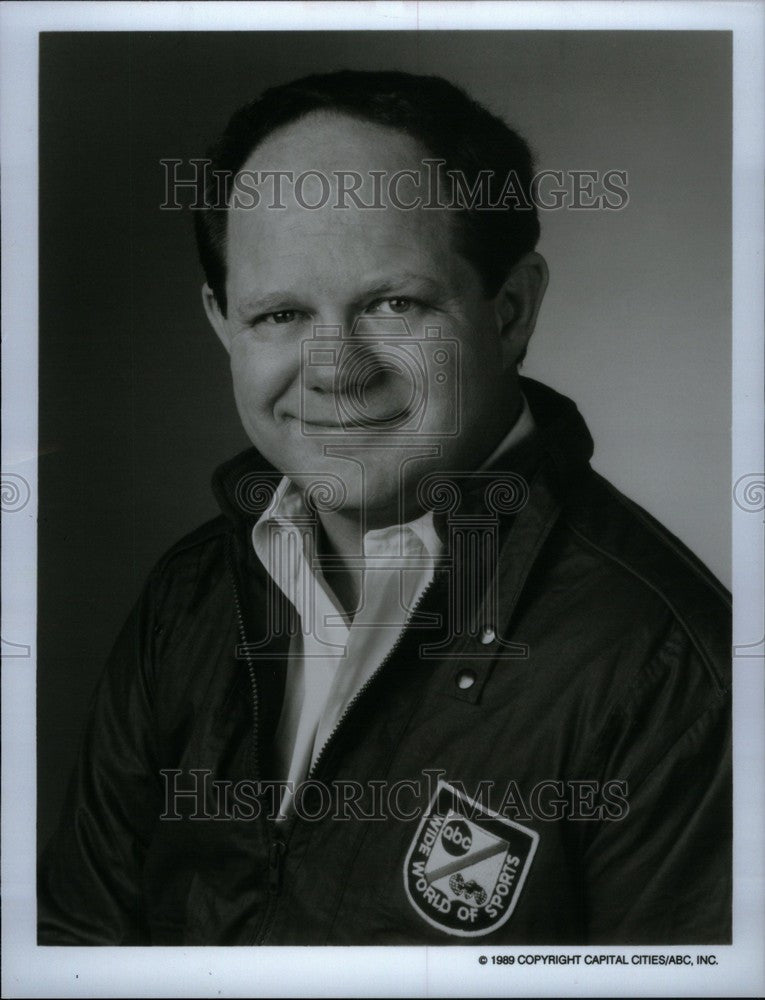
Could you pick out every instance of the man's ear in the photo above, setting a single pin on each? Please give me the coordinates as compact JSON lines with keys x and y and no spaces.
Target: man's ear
{"x":217,"y":320}
{"x":517,"y":305}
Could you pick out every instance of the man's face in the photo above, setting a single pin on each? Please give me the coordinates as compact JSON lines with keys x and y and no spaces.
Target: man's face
{"x":362,"y":345}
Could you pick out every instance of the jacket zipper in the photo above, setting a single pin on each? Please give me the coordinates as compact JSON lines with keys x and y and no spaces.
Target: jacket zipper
{"x":253,"y":761}
{"x":361,"y":693}
{"x":277,"y":848}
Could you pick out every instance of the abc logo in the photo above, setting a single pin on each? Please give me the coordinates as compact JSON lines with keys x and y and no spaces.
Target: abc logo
{"x":456,"y":838}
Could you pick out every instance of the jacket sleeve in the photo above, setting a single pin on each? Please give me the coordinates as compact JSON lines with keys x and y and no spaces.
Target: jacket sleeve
{"x":661,"y":874}
{"x":89,"y":877}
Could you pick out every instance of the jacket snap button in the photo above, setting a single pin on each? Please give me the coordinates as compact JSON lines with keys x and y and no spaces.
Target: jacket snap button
{"x":465,"y":679}
{"x":487,"y":635}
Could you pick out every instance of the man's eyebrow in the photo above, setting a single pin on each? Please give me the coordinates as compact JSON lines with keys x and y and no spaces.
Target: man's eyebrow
{"x":393,"y":283}
{"x":266,"y":303}
{"x":272,"y":301}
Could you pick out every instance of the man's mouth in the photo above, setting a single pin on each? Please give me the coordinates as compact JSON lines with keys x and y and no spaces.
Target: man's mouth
{"x":317,"y":422}
{"x":360,"y":422}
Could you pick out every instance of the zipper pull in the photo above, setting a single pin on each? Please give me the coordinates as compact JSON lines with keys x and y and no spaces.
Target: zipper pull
{"x":276,"y":853}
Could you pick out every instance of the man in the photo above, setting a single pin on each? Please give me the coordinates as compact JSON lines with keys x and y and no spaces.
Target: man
{"x":428,"y":678}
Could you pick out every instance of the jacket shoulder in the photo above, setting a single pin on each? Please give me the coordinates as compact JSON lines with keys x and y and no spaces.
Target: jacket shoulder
{"x":189,"y":547}
{"x":190,"y":568}
{"x":626,"y":538}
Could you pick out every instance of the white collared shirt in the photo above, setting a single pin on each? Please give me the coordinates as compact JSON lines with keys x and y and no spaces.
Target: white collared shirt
{"x":330,"y":660}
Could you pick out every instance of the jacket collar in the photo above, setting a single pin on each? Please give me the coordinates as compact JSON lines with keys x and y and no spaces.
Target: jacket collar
{"x":244,"y":485}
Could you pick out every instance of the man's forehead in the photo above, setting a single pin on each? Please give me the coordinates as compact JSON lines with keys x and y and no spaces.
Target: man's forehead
{"x":329,"y":166}
{"x":306,"y":223}
{"x":295,"y":229}
{"x":334,"y":141}
{"x":312,"y":216}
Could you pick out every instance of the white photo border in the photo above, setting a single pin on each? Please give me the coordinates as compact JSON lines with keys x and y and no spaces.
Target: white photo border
{"x":29,"y":970}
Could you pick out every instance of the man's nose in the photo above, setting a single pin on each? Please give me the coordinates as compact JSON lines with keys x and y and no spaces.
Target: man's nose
{"x":321,"y":353}
{"x":335,"y":359}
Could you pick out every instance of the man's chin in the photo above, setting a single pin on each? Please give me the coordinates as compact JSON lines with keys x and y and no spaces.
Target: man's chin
{"x":354,"y":474}
{"x":353,"y":492}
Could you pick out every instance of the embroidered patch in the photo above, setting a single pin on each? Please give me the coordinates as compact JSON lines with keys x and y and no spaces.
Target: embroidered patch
{"x":466,"y":866}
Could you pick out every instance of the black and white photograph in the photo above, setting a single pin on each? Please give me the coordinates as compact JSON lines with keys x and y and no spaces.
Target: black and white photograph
{"x":383,"y":514}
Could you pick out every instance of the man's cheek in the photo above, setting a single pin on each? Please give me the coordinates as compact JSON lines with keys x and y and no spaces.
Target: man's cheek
{"x":249,"y":394}
{"x":256,"y":384}
{"x":265,"y":370}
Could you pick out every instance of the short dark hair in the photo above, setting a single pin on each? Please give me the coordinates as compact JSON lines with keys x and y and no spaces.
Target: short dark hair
{"x":450,"y":125}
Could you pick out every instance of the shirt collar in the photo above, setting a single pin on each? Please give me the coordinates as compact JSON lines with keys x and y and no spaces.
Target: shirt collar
{"x":287,"y":507}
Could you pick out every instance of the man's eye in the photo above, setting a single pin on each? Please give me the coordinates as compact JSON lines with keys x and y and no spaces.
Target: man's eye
{"x":389,"y":306}
{"x":282,"y":316}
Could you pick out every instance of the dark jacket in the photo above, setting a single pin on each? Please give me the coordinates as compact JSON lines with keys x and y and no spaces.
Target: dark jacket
{"x":571,"y":696}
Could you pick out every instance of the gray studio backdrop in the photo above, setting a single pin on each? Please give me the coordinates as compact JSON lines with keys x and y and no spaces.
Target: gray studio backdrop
{"x":135,"y":404}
